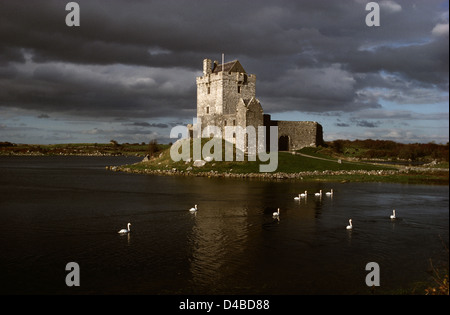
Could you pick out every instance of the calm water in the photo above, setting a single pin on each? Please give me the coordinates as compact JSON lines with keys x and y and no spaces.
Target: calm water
{"x":54,"y":210}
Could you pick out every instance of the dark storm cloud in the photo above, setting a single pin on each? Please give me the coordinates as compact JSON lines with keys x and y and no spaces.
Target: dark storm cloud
{"x":146,"y":124}
{"x":138,"y":59}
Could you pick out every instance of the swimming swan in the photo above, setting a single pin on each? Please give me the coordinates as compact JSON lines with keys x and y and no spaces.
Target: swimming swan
{"x":304,"y":194}
{"x":329,"y":193}
{"x":297,"y":198}
{"x":350,"y":226}
{"x":276,"y":214}
{"x":127,"y":230}
{"x":393,"y":215}
{"x":193,"y":209}
{"x":319,"y":194}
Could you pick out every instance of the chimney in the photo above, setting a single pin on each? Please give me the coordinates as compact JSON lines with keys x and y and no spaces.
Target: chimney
{"x":207,"y":65}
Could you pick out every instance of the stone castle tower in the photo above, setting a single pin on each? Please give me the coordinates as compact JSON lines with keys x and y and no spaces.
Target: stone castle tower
{"x":226,"y":96}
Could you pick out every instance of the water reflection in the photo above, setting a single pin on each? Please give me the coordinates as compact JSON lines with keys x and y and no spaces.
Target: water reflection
{"x":127,"y":236}
{"x":217,"y":242}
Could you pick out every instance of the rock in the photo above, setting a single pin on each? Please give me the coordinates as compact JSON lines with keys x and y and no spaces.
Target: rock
{"x":199,"y":163}
{"x":189,"y":168}
{"x":208,"y":159}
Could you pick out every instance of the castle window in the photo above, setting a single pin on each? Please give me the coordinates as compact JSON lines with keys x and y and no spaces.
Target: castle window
{"x":209,"y":90}
{"x":234,"y":122}
{"x":239,"y":89}
{"x":207,"y":109}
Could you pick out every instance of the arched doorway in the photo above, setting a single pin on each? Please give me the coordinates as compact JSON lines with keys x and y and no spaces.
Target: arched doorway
{"x":283,"y":143}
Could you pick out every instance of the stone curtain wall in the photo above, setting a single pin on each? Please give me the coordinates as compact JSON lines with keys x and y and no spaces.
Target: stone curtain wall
{"x":301,"y":133}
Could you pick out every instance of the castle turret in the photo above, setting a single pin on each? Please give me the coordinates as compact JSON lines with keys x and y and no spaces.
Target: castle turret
{"x":207,"y":66}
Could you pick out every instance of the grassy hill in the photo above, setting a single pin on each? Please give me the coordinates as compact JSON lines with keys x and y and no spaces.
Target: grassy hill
{"x":287,"y":163}
{"x":308,"y":163}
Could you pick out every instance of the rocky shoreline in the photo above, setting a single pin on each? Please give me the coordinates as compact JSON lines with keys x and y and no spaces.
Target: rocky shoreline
{"x":67,"y":154}
{"x":275,"y":175}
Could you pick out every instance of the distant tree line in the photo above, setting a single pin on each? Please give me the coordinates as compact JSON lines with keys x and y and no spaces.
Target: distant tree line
{"x":7,"y":144}
{"x":389,"y":149}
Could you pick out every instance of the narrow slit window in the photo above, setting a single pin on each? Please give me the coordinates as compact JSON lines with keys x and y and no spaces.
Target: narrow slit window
{"x":239,"y":89}
{"x":209,"y":90}
{"x":207,"y":109}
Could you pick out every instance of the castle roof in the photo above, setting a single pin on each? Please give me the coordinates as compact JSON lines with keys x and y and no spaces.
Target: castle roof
{"x":231,"y":66}
{"x":248,"y":101}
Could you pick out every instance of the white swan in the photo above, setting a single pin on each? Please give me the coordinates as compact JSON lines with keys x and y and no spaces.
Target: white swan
{"x":297,"y":198}
{"x":319,"y":194}
{"x":329,"y":193}
{"x":276,"y":214}
{"x":393,"y":215}
{"x":127,"y":230}
{"x":193,"y":209}
{"x":350,"y":226}
{"x":304,"y":194}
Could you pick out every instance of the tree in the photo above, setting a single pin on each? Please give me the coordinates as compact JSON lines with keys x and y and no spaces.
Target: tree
{"x":153,"y":147}
{"x":338,"y":146}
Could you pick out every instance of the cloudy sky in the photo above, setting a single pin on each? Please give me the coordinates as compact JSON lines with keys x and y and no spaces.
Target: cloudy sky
{"x":128,"y":71}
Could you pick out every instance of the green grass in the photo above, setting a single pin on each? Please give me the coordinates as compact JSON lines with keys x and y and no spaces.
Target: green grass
{"x":287,"y":163}
{"x":319,"y":152}
{"x":290,"y":163}
{"x":309,"y":168}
